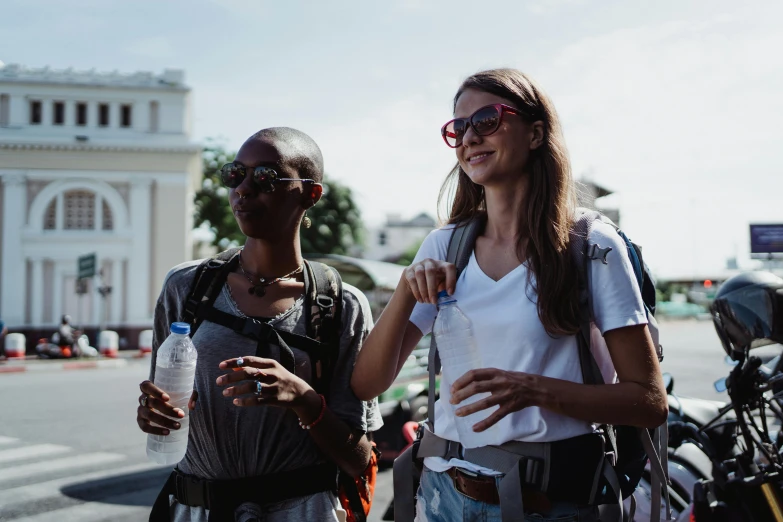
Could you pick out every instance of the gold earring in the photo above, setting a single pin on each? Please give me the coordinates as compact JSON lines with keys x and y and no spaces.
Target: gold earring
{"x":307,"y":222}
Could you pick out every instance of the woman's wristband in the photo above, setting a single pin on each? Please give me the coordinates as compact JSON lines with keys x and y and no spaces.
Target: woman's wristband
{"x":318,"y":419}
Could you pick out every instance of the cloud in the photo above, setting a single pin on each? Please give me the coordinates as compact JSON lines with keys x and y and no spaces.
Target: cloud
{"x":677,"y":118}
{"x":151,"y":47}
{"x":551,"y":6}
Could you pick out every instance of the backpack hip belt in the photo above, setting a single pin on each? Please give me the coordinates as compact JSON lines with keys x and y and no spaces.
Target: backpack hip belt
{"x":221,"y":497}
{"x":526,"y":465}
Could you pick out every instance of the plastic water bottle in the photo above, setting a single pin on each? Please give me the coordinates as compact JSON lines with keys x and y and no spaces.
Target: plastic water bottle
{"x":458,"y":354}
{"x":175,"y":369}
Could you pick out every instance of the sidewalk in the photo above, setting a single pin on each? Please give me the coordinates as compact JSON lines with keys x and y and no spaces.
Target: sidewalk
{"x":32,"y":363}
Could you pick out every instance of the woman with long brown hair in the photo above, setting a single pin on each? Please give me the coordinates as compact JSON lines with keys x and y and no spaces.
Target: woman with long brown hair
{"x":520,"y":291}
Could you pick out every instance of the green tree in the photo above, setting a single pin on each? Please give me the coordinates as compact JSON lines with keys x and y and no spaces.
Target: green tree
{"x":336,"y":220}
{"x":211,"y":202}
{"x":337,"y":223}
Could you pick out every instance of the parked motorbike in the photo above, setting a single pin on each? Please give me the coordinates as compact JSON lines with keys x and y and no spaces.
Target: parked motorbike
{"x":51,"y":349}
{"x":725,"y":460}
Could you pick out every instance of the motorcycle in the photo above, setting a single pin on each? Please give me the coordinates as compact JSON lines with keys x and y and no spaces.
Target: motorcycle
{"x":52,"y":349}
{"x":724,"y":459}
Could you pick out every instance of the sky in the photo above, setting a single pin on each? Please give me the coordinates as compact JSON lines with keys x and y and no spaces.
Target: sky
{"x":673,"y":105}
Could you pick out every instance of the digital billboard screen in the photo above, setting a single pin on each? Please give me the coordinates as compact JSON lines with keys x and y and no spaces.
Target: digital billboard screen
{"x":766,"y":239}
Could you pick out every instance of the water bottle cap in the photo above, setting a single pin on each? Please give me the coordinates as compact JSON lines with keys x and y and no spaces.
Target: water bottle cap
{"x":180,"y":328}
{"x":442,"y":294}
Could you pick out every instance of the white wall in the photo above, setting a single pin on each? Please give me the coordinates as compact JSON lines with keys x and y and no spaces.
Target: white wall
{"x":173,"y":126}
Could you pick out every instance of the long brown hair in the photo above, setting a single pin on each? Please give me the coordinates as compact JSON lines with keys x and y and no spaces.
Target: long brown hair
{"x":551,"y":200}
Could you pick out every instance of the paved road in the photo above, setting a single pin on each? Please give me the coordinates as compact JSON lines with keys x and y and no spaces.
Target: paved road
{"x":70,"y":449}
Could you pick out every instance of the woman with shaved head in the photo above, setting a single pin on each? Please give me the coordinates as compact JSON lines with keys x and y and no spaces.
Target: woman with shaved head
{"x":272,"y":414}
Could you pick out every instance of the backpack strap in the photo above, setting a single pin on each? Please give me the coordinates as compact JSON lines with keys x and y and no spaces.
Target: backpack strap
{"x":210,"y":277}
{"x":583,"y":252}
{"x":323,"y":315}
{"x":461,"y":245}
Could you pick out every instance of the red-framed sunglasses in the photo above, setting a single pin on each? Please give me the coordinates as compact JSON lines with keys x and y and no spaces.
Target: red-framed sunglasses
{"x":484,"y":121}
{"x":233,"y":174}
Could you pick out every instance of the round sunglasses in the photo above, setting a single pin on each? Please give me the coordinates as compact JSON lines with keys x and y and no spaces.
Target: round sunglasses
{"x":484,"y":121}
{"x":233,"y":174}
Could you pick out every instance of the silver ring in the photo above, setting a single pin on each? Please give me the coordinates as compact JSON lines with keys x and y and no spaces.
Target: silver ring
{"x":143,"y":401}
{"x":259,"y":387}
{"x":240,"y":362}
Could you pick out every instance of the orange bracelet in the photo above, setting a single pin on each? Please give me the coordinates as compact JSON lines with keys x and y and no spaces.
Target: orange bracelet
{"x":318,"y":419}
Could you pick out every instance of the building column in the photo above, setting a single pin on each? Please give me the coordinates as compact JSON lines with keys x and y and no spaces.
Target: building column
{"x":98,"y":213}
{"x":139,"y":264}
{"x":57,"y":292}
{"x":12,"y":283}
{"x":116,"y":291}
{"x":97,"y":312}
{"x":37,"y":293}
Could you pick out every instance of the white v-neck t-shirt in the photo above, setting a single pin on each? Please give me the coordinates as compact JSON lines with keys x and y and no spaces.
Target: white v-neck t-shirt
{"x":510,"y":336}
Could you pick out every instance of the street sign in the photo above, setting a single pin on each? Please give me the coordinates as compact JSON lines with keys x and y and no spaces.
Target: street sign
{"x":86,"y":266}
{"x":766,"y":239}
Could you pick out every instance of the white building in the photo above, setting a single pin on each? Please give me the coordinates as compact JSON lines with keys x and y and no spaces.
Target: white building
{"x":588,"y":194}
{"x":92,"y":163}
{"x":396,"y":236}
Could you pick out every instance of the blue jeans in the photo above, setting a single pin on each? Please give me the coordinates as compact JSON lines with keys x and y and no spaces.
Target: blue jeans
{"x":438,"y":501}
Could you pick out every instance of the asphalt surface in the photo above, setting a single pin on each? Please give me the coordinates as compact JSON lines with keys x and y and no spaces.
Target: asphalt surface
{"x":70,"y":448}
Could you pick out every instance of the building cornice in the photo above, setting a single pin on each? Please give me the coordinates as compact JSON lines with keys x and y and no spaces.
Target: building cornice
{"x":169,"y":80}
{"x":187,"y":149}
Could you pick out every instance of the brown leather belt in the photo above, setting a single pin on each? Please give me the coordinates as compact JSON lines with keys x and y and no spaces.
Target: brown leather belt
{"x":478,"y":487}
{"x":482,"y":488}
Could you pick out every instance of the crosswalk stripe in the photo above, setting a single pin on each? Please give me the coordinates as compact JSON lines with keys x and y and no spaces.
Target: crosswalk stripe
{"x":28,"y":452}
{"x":110,"y":508}
{"x":52,"y":466}
{"x":35,"y":492}
{"x":7,"y":440}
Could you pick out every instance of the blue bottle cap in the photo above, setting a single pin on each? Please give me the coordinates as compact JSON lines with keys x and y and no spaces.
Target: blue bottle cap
{"x":442,"y":294}
{"x":180,"y":328}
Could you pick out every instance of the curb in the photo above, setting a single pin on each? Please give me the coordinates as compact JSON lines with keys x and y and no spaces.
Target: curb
{"x":13,"y":367}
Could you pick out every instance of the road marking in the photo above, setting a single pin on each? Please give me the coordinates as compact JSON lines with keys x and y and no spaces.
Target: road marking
{"x":111,"y":508}
{"x":52,"y":466}
{"x":36,"y":492}
{"x":28,"y":452}
{"x":7,"y":440}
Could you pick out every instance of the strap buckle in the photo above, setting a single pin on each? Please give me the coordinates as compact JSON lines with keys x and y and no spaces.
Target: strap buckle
{"x":324,"y":302}
{"x":531,"y":471}
{"x":191,"y":306}
{"x":453,"y":450}
{"x":612,"y":457}
{"x":253,"y":328}
{"x":192,"y":491}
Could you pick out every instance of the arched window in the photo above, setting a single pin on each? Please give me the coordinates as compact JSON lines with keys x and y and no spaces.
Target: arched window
{"x":79,"y":212}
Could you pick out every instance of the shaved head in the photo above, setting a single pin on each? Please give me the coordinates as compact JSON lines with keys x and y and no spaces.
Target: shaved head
{"x":297,"y":150}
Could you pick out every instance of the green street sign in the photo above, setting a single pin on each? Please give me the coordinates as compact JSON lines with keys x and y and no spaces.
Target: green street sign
{"x":86,"y":266}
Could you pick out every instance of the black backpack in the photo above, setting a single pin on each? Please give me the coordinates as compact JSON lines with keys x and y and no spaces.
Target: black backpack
{"x":632,"y":447}
{"x":323,"y":314}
